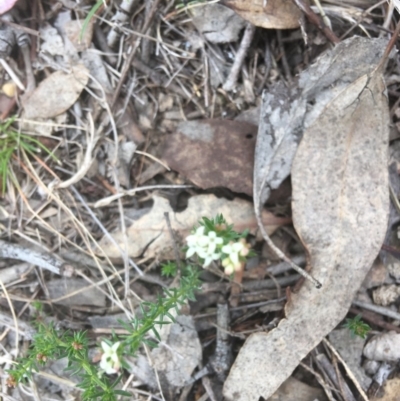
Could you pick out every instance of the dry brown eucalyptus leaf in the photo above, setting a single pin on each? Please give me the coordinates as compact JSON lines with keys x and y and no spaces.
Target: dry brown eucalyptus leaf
{"x":56,"y":94}
{"x":272,"y":14}
{"x":340,"y":211}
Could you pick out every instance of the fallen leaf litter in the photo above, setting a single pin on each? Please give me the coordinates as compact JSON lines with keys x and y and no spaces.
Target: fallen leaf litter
{"x":339,"y":180}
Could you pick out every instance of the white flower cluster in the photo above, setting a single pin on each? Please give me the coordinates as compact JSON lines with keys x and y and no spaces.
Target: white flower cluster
{"x":234,"y":250}
{"x":204,"y":245}
{"x":208,"y":247}
{"x":110,"y":361}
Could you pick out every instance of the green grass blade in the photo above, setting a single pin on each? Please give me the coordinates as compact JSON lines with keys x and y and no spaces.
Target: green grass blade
{"x":92,"y":12}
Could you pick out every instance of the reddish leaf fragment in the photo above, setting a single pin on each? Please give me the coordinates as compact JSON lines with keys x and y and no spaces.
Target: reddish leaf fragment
{"x":214,"y":153}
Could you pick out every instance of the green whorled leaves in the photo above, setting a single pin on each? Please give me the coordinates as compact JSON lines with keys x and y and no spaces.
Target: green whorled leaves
{"x":340,"y":211}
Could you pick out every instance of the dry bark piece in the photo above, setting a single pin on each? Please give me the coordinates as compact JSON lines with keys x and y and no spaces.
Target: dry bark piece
{"x":150,"y":232}
{"x":213,"y":153}
{"x":340,"y":212}
{"x":271,"y":14}
{"x":56,"y":94}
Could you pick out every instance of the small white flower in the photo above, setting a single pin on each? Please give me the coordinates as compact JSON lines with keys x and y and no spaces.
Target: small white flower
{"x":209,"y":257}
{"x":110,"y":361}
{"x":196,"y":242}
{"x":213,"y":241}
{"x":230,"y":266}
{"x":233,"y":250}
{"x":204,"y":245}
{"x":196,"y":237}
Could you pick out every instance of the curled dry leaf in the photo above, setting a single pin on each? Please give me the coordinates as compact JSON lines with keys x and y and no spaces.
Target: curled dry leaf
{"x":340,"y":211}
{"x":384,"y":347}
{"x":150,"y":232}
{"x":56,"y":94}
{"x":272,"y":14}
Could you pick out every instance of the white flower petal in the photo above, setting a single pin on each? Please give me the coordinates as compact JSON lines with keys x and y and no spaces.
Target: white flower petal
{"x":234,"y":257}
{"x":203,"y":241}
{"x":106,"y":348}
{"x":202,"y":252}
{"x":227,"y":249}
{"x":237,"y":247}
{"x":116,"y":346}
{"x":110,"y":361}
{"x":191,"y":240}
{"x":190,"y":252}
{"x":200,"y":230}
{"x":211,"y":247}
{"x":226,"y":262}
{"x":105,"y":365}
{"x":207,"y":261}
{"x":228,"y":270}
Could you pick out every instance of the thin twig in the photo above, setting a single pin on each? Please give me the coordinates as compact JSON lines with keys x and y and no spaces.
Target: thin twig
{"x":285,"y":63}
{"x":240,"y":56}
{"x":347,"y":369}
{"x":42,"y":259}
{"x":374,"y":319}
{"x":378,"y":309}
{"x":332,"y":374}
{"x":87,"y":160}
{"x":131,"y":192}
{"x":320,"y":380}
{"x":316,"y":20}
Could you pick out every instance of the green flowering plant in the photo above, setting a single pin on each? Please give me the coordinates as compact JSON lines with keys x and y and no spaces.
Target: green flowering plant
{"x":212,"y":240}
{"x":215,"y":240}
